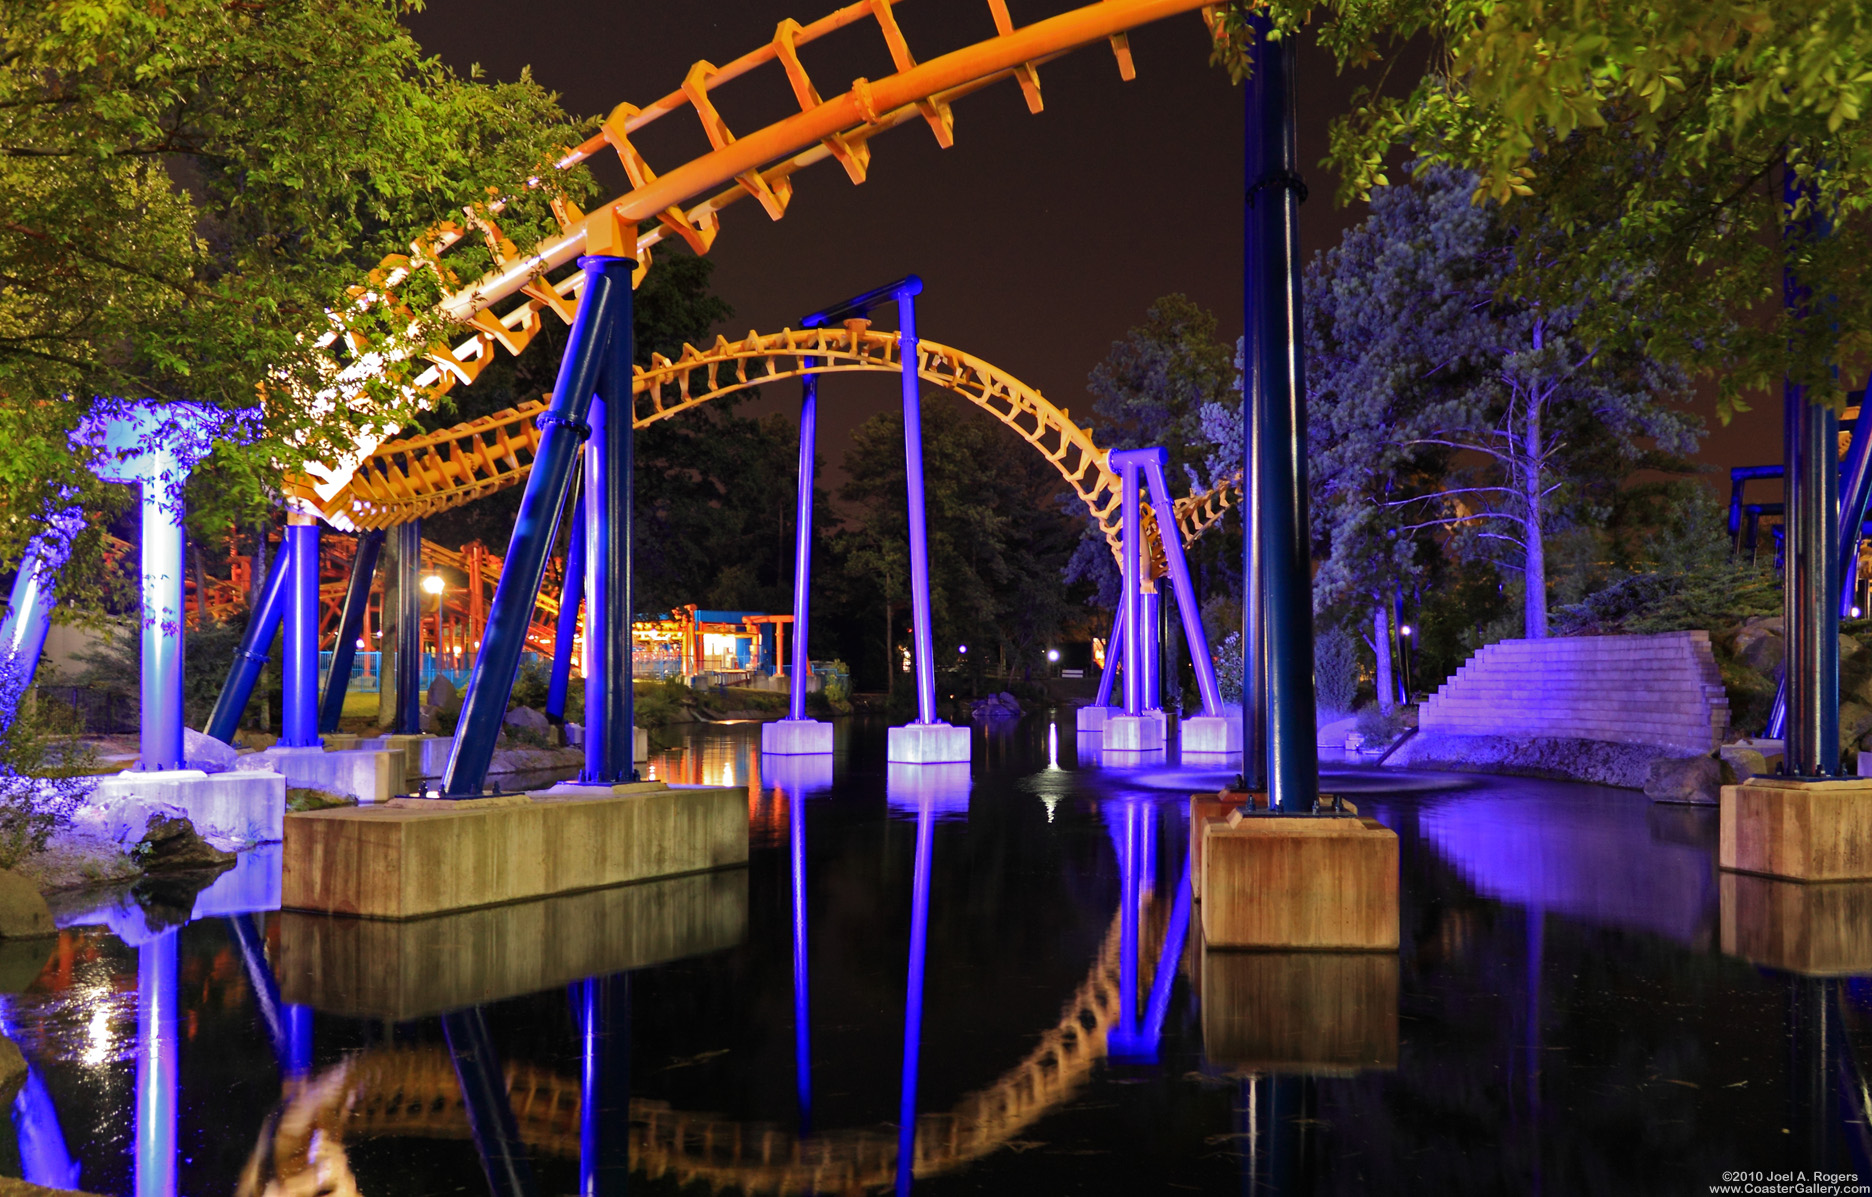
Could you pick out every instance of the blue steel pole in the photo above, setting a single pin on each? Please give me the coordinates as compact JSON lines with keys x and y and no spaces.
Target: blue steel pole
{"x":29,"y":612}
{"x":350,"y":622}
{"x":1274,"y":311}
{"x":1113,"y":647}
{"x":571,"y":594}
{"x":299,"y":713}
{"x":1187,"y":609}
{"x":610,"y":752}
{"x":1152,"y":627}
{"x":409,"y":628}
{"x":802,"y":542}
{"x":484,"y":1099}
{"x":1254,"y":606}
{"x":162,"y":619}
{"x":562,"y":426}
{"x":1131,"y":557}
{"x":263,"y":623}
{"x":913,"y":995}
{"x":922,"y":636}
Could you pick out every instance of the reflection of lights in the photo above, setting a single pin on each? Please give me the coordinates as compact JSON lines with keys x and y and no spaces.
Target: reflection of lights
{"x":433,"y":584}
{"x":1052,"y":804}
{"x":1052,"y":752}
{"x":100,"y":1044}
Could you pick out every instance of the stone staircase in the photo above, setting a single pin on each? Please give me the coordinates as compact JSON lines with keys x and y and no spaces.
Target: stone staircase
{"x":1660,"y":691}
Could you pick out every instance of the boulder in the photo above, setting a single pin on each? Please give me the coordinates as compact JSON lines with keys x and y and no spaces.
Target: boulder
{"x":1759,"y":645}
{"x":171,"y":842}
{"x":1745,"y":761}
{"x":530,"y":723}
{"x":23,"y":910}
{"x":1694,"y":779}
{"x":443,"y":696}
{"x":12,"y":1070}
{"x":22,"y":960}
{"x":427,"y":723}
{"x":207,"y":753}
{"x":1855,"y":723}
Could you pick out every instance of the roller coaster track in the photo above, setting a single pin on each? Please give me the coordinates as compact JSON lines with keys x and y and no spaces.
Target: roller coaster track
{"x":423,"y":475}
{"x":759,"y":165}
{"x":414,"y":1093}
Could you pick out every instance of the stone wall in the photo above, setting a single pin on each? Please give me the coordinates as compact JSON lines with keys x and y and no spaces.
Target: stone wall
{"x":1661,"y":692}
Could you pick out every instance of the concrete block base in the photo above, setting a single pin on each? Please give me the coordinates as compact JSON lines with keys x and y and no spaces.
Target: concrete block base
{"x":927,"y":744}
{"x":1321,"y":1013}
{"x":1337,"y":878}
{"x":1800,"y":830}
{"x":370,"y":968}
{"x":360,"y":773}
{"x":424,"y":755}
{"x":412,"y":857}
{"x":243,"y":804}
{"x":1092,"y":719}
{"x":1211,"y":733}
{"x":796,"y":737}
{"x":1134,"y":733}
{"x":1814,"y":930}
{"x":1202,"y":808}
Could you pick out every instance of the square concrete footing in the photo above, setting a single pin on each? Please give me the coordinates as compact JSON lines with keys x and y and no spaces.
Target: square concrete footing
{"x":1135,"y":733}
{"x":242,"y":804}
{"x":1203,"y":808}
{"x":1092,"y":719}
{"x":416,"y":968}
{"x":1300,"y":881}
{"x":1320,"y":1013}
{"x":796,"y":737}
{"x":927,"y":744}
{"x":424,"y":755}
{"x":412,"y":857}
{"x":364,"y":774}
{"x":1816,"y":930}
{"x":1210,"y":733}
{"x":1800,"y":830}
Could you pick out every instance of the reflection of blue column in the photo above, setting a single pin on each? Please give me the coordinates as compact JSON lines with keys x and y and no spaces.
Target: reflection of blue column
{"x":29,"y":612}
{"x":604,"y":1085}
{"x":162,"y":617}
{"x":571,"y":594}
{"x":350,"y":622}
{"x":298,"y":1039}
{"x":299,"y":707}
{"x":263,"y":622}
{"x":484,"y":1098}
{"x":156,"y":1067}
{"x":913,"y":996}
{"x":1129,"y":861}
{"x":802,"y":541}
{"x":1137,"y":632}
{"x":802,"y":1006}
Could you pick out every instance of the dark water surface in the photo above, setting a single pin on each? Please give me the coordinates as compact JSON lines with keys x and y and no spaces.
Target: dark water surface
{"x":1571,"y":1010}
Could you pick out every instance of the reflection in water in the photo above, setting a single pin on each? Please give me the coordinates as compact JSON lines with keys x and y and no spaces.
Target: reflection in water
{"x":604,"y":1085}
{"x":484,"y":1098}
{"x":156,"y":1067}
{"x":913,"y":990}
{"x":940,"y":790}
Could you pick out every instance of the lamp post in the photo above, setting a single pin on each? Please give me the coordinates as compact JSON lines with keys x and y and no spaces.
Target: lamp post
{"x":434,"y":585}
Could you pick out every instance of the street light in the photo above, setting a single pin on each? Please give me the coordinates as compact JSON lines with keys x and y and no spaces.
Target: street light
{"x":1052,"y":654}
{"x":963,"y":649}
{"x":433,"y":583}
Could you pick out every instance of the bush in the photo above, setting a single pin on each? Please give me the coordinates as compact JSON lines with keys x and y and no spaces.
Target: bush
{"x":42,"y":771}
{"x":1335,"y":670}
{"x":1380,"y":727}
{"x":1228,"y":667}
{"x":531,"y":686}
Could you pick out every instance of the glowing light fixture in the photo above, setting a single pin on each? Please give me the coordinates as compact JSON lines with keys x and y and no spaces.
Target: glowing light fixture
{"x":963,"y":649}
{"x":1405,"y":630}
{"x":433,"y":584}
{"x":1052,"y":654}
{"x":1855,"y":613}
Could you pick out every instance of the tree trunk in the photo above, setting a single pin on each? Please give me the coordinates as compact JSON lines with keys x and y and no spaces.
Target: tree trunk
{"x":1534,"y":576}
{"x":890,"y":653}
{"x":1381,"y":649}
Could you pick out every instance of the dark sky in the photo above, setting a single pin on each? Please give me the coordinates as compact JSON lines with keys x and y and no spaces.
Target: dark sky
{"x":1040,"y":239}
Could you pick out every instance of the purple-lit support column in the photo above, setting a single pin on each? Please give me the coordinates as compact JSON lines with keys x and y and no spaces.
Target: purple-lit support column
{"x":299,"y":708}
{"x":162,"y":616}
{"x":913,"y":995}
{"x":29,"y":612}
{"x":796,"y":735}
{"x":571,"y":594}
{"x":1139,"y":728}
{"x":608,"y":694}
{"x":155,"y":1164}
{"x":922,"y":636}
{"x":1151,"y":625}
{"x":298,"y":1039}
{"x":1188,"y":609}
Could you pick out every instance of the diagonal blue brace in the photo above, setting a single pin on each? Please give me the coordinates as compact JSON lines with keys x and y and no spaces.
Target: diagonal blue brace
{"x":263,"y":623}
{"x":350,"y":622}
{"x":29,"y":613}
{"x":604,"y":312}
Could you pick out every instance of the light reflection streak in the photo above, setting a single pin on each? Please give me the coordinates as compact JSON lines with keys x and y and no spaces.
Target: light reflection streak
{"x":913,"y":994}
{"x":156,"y":1067}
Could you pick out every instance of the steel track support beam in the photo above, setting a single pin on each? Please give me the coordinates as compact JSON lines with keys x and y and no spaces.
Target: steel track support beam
{"x":409,"y":629}
{"x":299,"y":708}
{"x":263,"y":623}
{"x":29,"y":610}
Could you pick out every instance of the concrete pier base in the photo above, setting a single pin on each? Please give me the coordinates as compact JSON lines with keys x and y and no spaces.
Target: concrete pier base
{"x":412,"y":857}
{"x":243,"y":804}
{"x":796,"y":737}
{"x":927,"y":744}
{"x":1211,"y":734}
{"x":361,"y":773}
{"x":424,"y":755}
{"x":1318,"y":1013}
{"x":1337,"y":878}
{"x":1135,"y":733}
{"x":1815,"y":930}
{"x":400,"y":971}
{"x":1800,"y":830}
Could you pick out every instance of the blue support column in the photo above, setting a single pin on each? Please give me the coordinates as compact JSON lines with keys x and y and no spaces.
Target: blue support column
{"x":484,"y":1098}
{"x":604,"y":1085}
{"x":155,"y":1159}
{"x":350,"y":622}
{"x":609,"y":694}
{"x":299,"y":713}
{"x":562,"y":427}
{"x":1254,"y":776}
{"x":1278,"y":390}
{"x":1151,"y":625}
{"x":1137,"y":635}
{"x":161,"y":739}
{"x":29,"y":611}
{"x":565,"y":632}
{"x":802,"y":544}
{"x":1188,"y":610}
{"x":1113,"y":647}
{"x":923,"y":637}
{"x":409,"y":629}
{"x":263,"y":623}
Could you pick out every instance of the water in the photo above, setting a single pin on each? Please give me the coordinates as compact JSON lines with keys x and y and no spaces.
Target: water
{"x":1561,"y":1018}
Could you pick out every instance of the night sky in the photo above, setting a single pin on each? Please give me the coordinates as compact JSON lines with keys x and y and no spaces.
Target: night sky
{"x":1040,"y":239}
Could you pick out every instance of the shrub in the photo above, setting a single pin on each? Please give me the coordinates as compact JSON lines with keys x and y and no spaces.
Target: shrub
{"x":1380,"y":727}
{"x":42,"y":771}
{"x":1335,"y":670}
{"x":531,"y":686}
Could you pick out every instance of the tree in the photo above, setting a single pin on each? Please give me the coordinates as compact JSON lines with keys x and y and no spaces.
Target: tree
{"x":1440,"y":407}
{"x":1649,"y":137}
{"x":189,"y":189}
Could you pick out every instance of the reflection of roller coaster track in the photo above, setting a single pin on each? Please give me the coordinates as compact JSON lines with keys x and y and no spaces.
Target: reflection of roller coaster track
{"x":759,"y":164}
{"x":423,"y":475}
{"x":414,"y":1094}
